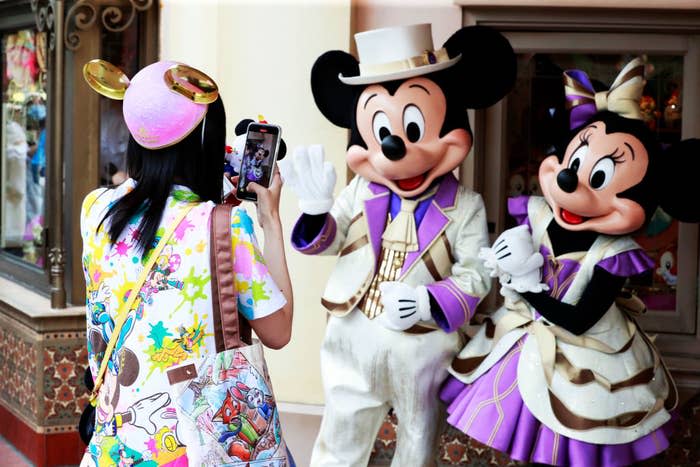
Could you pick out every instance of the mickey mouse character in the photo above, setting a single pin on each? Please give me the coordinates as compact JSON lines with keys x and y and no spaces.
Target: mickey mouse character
{"x":406,"y":232}
{"x":580,"y":382}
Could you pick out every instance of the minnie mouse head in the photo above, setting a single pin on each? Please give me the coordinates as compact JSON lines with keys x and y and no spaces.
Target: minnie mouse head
{"x":612,"y":174}
{"x":406,"y":104}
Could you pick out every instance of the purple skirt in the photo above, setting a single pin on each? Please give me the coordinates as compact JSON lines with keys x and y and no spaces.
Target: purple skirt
{"x":491,"y":411}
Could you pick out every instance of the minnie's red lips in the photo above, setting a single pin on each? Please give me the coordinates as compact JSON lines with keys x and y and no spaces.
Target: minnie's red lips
{"x":409,"y":184}
{"x":571,"y":218}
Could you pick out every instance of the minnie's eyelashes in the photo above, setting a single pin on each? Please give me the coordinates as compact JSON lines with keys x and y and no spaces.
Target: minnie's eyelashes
{"x":584,"y":138}
{"x":617,"y":158}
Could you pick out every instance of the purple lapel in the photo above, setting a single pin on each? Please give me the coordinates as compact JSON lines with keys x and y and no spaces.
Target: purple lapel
{"x":376,"y":211}
{"x":434,"y":220}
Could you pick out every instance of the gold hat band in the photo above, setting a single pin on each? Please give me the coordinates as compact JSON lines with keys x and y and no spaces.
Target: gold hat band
{"x":426,"y":58}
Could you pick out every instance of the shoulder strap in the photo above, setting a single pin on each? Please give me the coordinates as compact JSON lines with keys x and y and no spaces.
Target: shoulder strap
{"x":230,"y":332}
{"x":123,"y":312}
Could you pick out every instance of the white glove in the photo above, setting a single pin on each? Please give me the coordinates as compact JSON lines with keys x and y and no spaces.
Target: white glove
{"x":143,"y":410}
{"x":403,"y":305}
{"x":235,"y":157}
{"x":311,"y":177}
{"x":516,"y":263}
{"x":489,"y":257}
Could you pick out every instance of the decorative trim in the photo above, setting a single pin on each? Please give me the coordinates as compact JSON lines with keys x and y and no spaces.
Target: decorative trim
{"x":114,"y":18}
{"x":57,"y":268}
{"x":44,"y":13}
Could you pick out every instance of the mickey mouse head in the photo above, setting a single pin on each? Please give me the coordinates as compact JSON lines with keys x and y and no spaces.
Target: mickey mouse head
{"x":410,"y":127}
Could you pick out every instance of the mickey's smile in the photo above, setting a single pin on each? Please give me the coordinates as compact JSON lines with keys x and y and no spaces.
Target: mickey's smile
{"x":409,"y":184}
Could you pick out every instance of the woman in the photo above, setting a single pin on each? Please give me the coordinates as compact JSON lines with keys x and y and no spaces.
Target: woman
{"x":174,"y":160}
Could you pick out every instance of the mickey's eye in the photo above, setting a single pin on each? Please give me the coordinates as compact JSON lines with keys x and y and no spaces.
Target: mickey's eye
{"x":602,"y":173}
{"x":413,"y":123}
{"x":381,"y":126}
{"x":578,"y":157}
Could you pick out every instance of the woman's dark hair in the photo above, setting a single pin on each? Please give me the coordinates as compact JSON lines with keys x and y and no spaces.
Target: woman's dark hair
{"x":196,"y":162}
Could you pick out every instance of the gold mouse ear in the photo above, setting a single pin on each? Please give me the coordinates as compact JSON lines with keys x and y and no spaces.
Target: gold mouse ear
{"x":191,"y":83}
{"x":106,"y":79}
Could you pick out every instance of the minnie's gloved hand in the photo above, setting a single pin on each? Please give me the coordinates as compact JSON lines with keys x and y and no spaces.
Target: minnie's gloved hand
{"x":311,"y":177}
{"x":403,"y":305}
{"x":516,"y":263}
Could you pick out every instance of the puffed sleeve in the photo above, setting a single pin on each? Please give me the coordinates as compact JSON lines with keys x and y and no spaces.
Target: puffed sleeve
{"x":517,"y":208}
{"x":628,"y":263}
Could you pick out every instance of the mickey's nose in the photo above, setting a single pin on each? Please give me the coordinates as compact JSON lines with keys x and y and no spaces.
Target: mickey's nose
{"x":567,"y":180}
{"x":393,"y":147}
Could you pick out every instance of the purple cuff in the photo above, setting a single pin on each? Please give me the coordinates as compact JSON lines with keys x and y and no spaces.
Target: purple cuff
{"x":457,"y":306}
{"x":628,"y":263}
{"x":517,"y":207}
{"x":320,"y":241}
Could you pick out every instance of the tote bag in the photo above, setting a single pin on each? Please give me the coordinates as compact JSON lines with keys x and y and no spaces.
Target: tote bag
{"x":227,"y":414}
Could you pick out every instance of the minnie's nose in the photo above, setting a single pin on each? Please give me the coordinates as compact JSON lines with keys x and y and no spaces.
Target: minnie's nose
{"x":393,"y":147}
{"x":567,"y":180}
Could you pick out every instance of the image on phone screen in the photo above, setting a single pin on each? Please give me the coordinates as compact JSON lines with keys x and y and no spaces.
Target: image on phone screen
{"x":259,"y":157}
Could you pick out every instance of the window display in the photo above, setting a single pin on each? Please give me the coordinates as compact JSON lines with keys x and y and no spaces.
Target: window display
{"x":23,"y":144}
{"x":121,"y":49}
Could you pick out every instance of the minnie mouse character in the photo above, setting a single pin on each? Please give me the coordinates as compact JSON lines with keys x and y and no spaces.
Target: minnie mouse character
{"x":580,"y":382}
{"x":406,"y":232}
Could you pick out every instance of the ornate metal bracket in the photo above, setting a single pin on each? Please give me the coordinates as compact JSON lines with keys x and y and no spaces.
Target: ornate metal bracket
{"x":115,"y":18}
{"x":44,"y":13}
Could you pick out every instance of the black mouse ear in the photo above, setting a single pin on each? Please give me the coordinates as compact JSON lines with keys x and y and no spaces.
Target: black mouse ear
{"x":487,"y":69}
{"x":242,"y":126}
{"x":333,"y":97}
{"x":282,"y":151}
{"x":678,"y":186}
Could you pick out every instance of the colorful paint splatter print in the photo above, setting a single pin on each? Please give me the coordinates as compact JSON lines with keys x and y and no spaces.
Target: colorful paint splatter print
{"x":169,"y":324}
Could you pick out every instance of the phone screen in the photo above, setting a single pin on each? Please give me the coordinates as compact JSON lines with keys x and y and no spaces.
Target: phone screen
{"x":259,"y":156}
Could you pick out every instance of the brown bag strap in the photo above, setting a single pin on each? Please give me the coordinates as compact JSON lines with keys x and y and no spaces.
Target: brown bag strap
{"x":230,"y":332}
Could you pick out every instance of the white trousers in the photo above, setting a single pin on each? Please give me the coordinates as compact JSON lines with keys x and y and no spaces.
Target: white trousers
{"x":366,"y":370}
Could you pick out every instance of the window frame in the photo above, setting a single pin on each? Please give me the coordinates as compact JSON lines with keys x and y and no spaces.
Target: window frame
{"x":17,"y":15}
{"x":615,"y":31}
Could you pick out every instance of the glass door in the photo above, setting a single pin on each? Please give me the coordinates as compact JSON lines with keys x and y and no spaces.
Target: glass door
{"x":534,"y":115}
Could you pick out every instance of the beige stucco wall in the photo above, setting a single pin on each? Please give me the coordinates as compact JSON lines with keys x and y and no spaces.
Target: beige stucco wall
{"x":261,"y":53}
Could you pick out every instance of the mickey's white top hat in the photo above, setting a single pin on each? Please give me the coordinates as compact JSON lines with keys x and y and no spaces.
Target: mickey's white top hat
{"x":397,"y":53}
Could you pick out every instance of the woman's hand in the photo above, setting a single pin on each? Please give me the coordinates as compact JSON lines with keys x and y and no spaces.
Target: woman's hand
{"x":231,"y":197}
{"x":268,"y":201}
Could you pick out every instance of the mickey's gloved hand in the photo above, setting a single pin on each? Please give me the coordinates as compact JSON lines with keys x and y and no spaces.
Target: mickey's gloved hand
{"x":311,"y":177}
{"x":403,"y":305}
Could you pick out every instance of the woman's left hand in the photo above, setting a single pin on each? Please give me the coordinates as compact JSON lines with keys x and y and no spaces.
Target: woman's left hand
{"x":268,"y":201}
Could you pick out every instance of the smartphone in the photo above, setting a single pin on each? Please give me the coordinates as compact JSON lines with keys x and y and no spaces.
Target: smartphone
{"x":259,"y":156}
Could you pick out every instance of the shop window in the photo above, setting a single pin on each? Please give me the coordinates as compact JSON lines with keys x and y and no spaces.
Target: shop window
{"x":536,"y":114}
{"x":23,"y":149}
{"x":121,"y":49}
